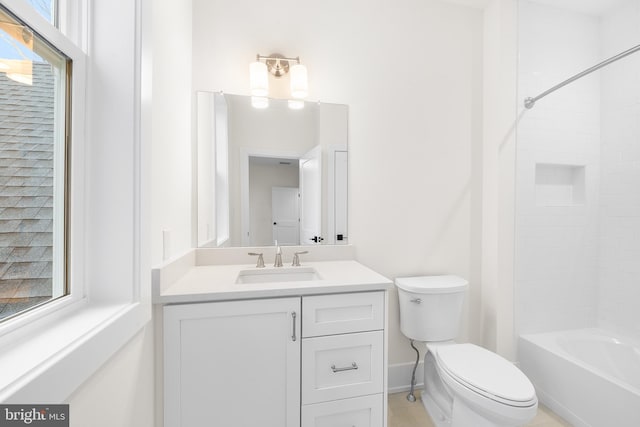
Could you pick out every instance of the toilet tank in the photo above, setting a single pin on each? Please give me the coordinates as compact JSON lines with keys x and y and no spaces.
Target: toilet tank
{"x":431,"y":306}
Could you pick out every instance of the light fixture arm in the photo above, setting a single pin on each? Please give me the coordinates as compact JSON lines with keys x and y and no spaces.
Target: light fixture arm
{"x":277,"y":64}
{"x":277,"y":56}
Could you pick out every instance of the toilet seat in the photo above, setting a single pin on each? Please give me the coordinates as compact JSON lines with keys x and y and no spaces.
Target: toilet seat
{"x":483,"y":372}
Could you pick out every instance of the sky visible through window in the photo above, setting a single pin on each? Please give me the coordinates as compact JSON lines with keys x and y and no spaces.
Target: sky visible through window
{"x":43,"y":7}
{"x":10,"y":48}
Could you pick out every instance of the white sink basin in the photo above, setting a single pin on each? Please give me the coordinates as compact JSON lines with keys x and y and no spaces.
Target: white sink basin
{"x":278,"y":274}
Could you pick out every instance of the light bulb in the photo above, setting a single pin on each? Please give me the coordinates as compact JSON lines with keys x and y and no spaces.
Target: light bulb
{"x":259,"y":78}
{"x":299,"y":85}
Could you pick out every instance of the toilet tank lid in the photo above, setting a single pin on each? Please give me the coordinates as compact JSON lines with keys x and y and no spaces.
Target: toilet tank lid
{"x":432,"y":284}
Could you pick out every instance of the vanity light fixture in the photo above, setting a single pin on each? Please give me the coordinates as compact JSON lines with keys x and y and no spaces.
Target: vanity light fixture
{"x":299,"y":86}
{"x":259,"y":79}
{"x":278,"y":66}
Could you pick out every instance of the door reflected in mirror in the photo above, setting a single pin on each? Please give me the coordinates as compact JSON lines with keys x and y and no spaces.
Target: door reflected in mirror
{"x":270,"y":174}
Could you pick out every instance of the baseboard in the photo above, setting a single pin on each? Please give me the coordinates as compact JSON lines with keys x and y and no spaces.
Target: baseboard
{"x":400,"y":377}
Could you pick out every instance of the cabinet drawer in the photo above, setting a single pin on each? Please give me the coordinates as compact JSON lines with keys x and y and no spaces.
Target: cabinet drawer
{"x":342,"y":366}
{"x":342,"y":313}
{"x":365,"y":411}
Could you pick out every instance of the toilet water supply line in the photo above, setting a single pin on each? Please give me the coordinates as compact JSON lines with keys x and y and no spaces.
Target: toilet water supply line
{"x":411,"y":397}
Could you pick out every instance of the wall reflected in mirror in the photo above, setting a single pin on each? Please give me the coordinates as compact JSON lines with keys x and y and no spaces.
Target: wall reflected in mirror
{"x":270,"y":174}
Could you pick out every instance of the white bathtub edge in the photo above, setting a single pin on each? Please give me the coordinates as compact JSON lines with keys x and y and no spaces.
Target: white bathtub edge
{"x":573,"y":389}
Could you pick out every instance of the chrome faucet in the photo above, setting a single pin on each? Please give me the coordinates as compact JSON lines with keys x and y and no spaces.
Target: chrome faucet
{"x":296,"y":258}
{"x":260,"y":263}
{"x":278,"y":261}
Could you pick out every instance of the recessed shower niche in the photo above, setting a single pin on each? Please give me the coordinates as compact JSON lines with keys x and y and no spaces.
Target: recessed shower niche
{"x":560,"y":184}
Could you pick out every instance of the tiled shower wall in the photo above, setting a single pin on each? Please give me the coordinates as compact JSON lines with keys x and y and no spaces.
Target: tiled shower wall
{"x":619,"y":240}
{"x":578,"y":169}
{"x":557,"y":158}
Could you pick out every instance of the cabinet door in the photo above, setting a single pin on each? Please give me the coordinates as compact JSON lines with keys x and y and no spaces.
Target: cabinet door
{"x":232,"y":364}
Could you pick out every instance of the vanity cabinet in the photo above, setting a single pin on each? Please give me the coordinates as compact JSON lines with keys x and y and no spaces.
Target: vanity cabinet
{"x":310,"y":361}
{"x":232,"y":363}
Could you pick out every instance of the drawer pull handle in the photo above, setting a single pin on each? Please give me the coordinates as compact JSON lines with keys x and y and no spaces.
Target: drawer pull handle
{"x":349,"y":368}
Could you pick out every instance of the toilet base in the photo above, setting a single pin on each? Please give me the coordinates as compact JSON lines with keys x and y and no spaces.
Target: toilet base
{"x":438,"y":417}
{"x":462,"y":415}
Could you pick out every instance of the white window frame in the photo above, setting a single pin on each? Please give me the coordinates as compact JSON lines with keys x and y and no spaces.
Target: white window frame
{"x":54,"y":348}
{"x":76,"y":292}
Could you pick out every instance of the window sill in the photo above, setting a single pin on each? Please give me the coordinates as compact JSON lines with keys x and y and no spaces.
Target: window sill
{"x":48,"y":365}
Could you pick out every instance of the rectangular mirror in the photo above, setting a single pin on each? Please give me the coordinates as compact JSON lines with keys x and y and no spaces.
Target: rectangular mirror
{"x":270,"y":174}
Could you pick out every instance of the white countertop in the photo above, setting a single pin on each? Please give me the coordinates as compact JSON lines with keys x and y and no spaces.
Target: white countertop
{"x":218,"y":283}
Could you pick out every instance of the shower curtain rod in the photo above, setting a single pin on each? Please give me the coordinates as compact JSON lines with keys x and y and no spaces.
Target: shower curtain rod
{"x":530,"y":102}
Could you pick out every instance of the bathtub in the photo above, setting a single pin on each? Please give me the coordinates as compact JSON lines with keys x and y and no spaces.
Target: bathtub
{"x":587,"y":376}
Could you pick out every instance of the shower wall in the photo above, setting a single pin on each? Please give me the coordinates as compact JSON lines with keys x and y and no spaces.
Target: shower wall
{"x":619,"y":240}
{"x":578,"y":170}
{"x":556,"y":171}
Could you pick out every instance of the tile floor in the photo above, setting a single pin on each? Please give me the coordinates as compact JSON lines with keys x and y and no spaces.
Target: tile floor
{"x":403,"y":413}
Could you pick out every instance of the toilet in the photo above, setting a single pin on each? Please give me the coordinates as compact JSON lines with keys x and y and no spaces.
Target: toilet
{"x":464,"y":385}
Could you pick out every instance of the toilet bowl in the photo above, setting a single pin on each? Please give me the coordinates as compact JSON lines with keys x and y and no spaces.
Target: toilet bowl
{"x":480,"y":388}
{"x":465,"y":385}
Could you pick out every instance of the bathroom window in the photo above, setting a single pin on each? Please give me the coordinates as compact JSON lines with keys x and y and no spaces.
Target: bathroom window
{"x":47,"y":8}
{"x":34,"y":122}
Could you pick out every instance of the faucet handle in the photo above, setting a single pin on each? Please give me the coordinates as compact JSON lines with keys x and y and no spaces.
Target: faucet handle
{"x":296,"y":258}
{"x":260,"y":263}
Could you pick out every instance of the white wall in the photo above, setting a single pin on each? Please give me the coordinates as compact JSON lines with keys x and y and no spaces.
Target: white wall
{"x":206,"y":149}
{"x":619,"y":242}
{"x":171,"y":163}
{"x":496,"y":326}
{"x":120,"y":393}
{"x":556,"y":244}
{"x":414,"y":118}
